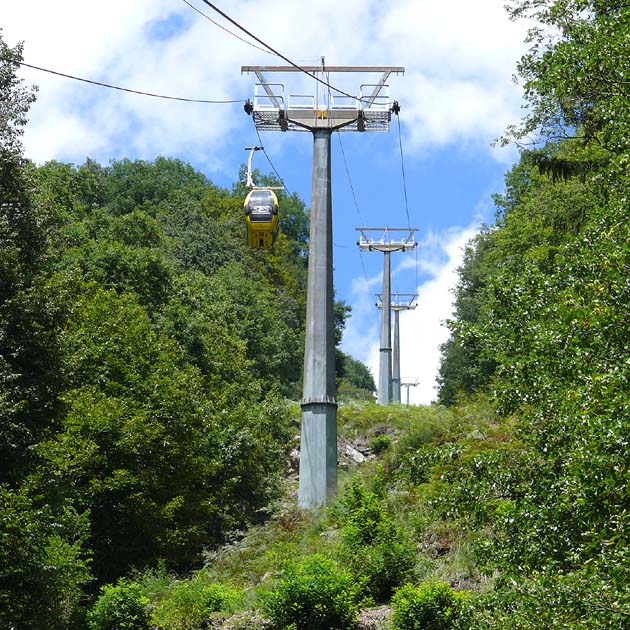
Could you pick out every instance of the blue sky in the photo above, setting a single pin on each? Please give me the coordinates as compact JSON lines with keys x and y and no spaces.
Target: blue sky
{"x":457,"y":95}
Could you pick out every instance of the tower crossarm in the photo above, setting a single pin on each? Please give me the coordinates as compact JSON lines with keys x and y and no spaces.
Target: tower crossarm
{"x":369,"y":111}
{"x":387,"y":239}
{"x":399,"y":301}
{"x":408,"y":381}
{"x":332,"y":69}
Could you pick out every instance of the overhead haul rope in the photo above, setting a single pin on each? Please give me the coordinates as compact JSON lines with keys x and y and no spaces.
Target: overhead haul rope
{"x":194,"y":8}
{"x":196,"y":100}
{"x":122,"y":89}
{"x":356,"y":206}
{"x":268,"y":49}
{"x":278,"y":54}
{"x":402,"y":166}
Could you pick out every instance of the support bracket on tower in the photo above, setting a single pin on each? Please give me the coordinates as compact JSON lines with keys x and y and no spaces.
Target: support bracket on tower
{"x":324,"y":107}
{"x":399,"y":301}
{"x":386,"y":239}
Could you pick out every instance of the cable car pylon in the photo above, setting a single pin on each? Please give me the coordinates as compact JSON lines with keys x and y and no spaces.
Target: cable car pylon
{"x":410,"y":382}
{"x":272,"y":110}
{"x":399,"y":302}
{"x":385,"y":240}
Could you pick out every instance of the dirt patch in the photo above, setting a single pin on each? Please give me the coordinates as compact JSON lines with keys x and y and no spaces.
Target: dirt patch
{"x":375,"y":618}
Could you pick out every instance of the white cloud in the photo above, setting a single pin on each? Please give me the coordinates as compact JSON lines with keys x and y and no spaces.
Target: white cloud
{"x":459,"y":57}
{"x":458,"y":87}
{"x":421,"y":330}
{"x":120,"y":45}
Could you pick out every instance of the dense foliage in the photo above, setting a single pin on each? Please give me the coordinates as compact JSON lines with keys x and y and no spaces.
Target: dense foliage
{"x":146,"y":355}
{"x":373,"y":546}
{"x":542,"y":322}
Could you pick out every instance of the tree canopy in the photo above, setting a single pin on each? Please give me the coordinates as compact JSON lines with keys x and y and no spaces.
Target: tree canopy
{"x":146,"y":358}
{"x":542,"y":322}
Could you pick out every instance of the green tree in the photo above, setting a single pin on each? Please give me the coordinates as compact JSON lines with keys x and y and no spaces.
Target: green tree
{"x":27,"y":349}
{"x":161,"y":463}
{"x":575,"y":76}
{"x":145,"y":351}
{"x":353,"y":377}
{"x":554,"y":306}
{"x":138,"y":184}
{"x":43,"y":561}
{"x":536,"y":216}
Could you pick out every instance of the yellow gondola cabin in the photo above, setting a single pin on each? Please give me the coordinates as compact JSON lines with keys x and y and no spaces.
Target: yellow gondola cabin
{"x":261,"y":217}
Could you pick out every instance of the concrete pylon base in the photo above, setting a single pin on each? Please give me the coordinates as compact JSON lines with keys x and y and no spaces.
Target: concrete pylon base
{"x":318,"y":455}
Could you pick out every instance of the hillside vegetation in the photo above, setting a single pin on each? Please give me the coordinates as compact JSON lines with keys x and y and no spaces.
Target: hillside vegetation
{"x":148,"y":359}
{"x":542,"y":322}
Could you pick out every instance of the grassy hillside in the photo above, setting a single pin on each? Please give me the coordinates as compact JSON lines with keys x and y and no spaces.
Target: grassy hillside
{"x":420,"y":510}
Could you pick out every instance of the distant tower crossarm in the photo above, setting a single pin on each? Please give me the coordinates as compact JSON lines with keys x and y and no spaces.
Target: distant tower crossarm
{"x":399,"y":302}
{"x":386,"y":240}
{"x":321,"y":113}
{"x":407,"y":383}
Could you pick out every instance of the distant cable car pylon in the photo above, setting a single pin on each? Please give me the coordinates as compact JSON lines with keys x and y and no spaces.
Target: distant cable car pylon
{"x":387,"y":243}
{"x":261,"y":209}
{"x":399,"y":302}
{"x":410,"y":383}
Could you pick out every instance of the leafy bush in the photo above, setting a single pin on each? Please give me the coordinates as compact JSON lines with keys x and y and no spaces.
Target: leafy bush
{"x":380,"y":443}
{"x":190,"y":603}
{"x":120,"y":607}
{"x":483,"y":477}
{"x":155,"y":582}
{"x":314,"y":594}
{"x":378,"y":552}
{"x":551,"y":600}
{"x":432,"y":605}
{"x":361,"y":512}
{"x":418,"y":465}
{"x":382,"y":566}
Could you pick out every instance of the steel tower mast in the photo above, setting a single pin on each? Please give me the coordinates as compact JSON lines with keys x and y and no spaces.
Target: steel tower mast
{"x":399,"y":302}
{"x":273,"y":110}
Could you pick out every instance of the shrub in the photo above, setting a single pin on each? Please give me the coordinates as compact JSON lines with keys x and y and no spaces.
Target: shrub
{"x":380,"y":443}
{"x":120,"y":607}
{"x":554,"y":600}
{"x":314,"y":594}
{"x":191,"y":603}
{"x":155,"y":582}
{"x":382,"y":565}
{"x":432,"y":605}
{"x":418,"y":466}
{"x":378,"y":552}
